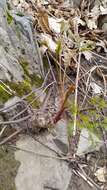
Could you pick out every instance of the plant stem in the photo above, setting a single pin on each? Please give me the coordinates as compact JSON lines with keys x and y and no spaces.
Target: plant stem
{"x":76,"y":95}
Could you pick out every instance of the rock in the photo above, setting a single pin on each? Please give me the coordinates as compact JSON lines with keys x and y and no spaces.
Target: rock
{"x":75,"y":3}
{"x":88,"y":142}
{"x":104,"y":27}
{"x":3,"y":3}
{"x":16,"y":44}
{"x":27,"y":43}
{"x":9,"y":66}
{"x":61,"y":139}
{"x":102,"y":23}
{"x":37,"y":171}
{"x":13,"y":107}
{"x":8,"y":169}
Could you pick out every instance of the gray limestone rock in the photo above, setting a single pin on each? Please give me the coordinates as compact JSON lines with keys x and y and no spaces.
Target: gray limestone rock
{"x":38,"y":172}
{"x":61,"y":138}
{"x":16,"y":44}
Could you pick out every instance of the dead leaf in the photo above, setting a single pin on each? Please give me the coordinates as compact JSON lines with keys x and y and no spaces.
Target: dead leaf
{"x":55,"y":24}
{"x":103,"y":10}
{"x":47,"y":42}
{"x":101,"y":43}
{"x":87,"y":55}
{"x":43,"y":20}
{"x":70,"y":55}
{"x":91,"y":23}
{"x":100,"y":174}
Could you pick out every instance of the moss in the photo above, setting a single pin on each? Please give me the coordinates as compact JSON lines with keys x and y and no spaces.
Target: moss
{"x":24,"y":65}
{"x":36,"y":80}
{"x":36,"y":103}
{"x":9,"y":17}
{"x":21,"y":88}
{"x":8,"y":169}
{"x":24,"y":88}
{"x":4,"y":96}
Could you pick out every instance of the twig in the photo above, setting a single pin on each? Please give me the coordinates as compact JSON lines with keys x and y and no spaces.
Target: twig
{"x":9,"y":91}
{"x":98,"y":55}
{"x":76,"y":95}
{"x":2,"y":131}
{"x":50,"y":84}
{"x":33,"y":101}
{"x":11,"y":136}
{"x":15,"y":121}
{"x":81,"y":91}
{"x":105,"y":84}
{"x":104,"y":79}
{"x":87,"y":109}
{"x":36,"y":90}
{"x":46,"y":146}
{"x":38,"y":154}
{"x":87,"y":179}
{"x":87,"y":91}
{"x":6,"y":108}
{"x":51,"y":67}
{"x":93,"y":69}
{"x":90,"y":75}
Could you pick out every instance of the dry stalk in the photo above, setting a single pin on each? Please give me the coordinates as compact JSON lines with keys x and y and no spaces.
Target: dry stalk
{"x":76,"y":95}
{"x":98,"y":55}
{"x":15,"y":121}
{"x":53,"y":75}
{"x":81,"y":90}
{"x":2,"y":131}
{"x":63,"y":158}
{"x":89,"y":73}
{"x":11,"y":136}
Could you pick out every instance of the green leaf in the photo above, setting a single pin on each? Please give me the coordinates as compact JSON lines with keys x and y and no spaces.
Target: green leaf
{"x":85,"y":118}
{"x":99,"y":102}
{"x":58,"y":48}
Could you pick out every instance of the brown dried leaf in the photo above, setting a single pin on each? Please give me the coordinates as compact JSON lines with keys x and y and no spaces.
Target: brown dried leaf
{"x":43,"y":20}
{"x":69,"y":57}
{"x":101,"y":173}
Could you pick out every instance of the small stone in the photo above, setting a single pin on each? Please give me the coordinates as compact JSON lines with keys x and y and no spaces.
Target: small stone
{"x":104,"y":27}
